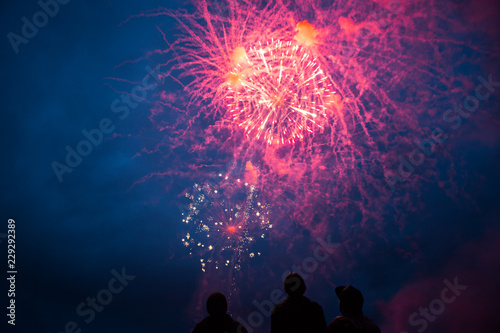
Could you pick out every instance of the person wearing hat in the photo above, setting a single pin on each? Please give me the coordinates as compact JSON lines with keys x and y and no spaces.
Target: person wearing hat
{"x":297,"y":313}
{"x":218,"y":320}
{"x":352,"y":319}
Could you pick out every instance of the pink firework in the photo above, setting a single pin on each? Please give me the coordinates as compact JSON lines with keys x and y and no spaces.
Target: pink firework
{"x":323,"y":98}
{"x":246,"y":66}
{"x":278,"y":92}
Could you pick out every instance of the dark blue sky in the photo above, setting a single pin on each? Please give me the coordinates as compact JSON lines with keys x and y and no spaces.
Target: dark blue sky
{"x":70,"y":235}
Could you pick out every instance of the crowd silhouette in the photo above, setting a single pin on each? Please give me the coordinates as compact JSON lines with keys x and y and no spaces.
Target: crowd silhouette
{"x":295,"y":314}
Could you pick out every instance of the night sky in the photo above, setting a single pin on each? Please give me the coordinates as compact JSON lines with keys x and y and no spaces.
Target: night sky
{"x":109,"y":217}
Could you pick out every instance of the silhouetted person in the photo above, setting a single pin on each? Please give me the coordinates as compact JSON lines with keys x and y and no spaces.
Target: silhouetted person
{"x":218,"y":320}
{"x":352,"y":319}
{"x":297,"y":313}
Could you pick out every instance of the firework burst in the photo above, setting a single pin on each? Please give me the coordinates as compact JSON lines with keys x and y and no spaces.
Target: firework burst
{"x":252,"y":73}
{"x":278,"y":92}
{"x":315,"y":102}
{"x":224,"y":224}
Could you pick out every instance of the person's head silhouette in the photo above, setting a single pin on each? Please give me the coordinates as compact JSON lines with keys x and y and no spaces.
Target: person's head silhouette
{"x":294,"y":285}
{"x":350,"y":300}
{"x":216,"y":304}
